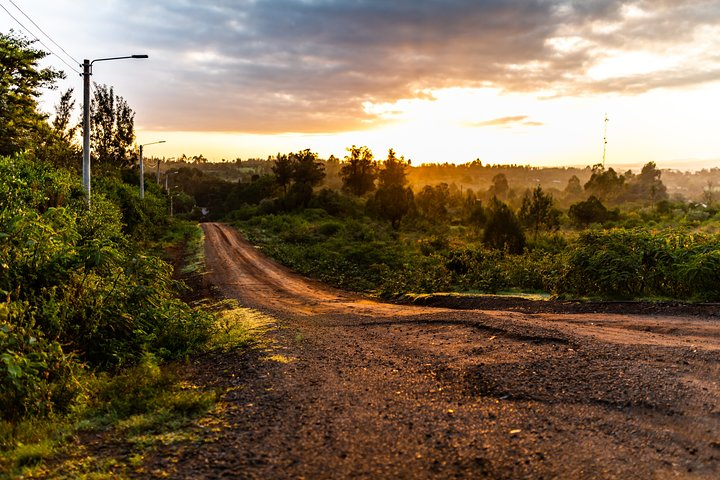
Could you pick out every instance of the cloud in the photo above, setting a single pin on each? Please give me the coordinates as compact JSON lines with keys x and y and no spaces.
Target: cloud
{"x":310,"y":65}
{"x":507,"y":122}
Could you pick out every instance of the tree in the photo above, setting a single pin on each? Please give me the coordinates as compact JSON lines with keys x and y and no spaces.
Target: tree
{"x":306,"y":168}
{"x":604,"y":184}
{"x":392,"y":199}
{"x":307,"y":173}
{"x":590,"y":211}
{"x":393,"y":171}
{"x":20,"y":83}
{"x":573,"y":190}
{"x":112,"y":124}
{"x":537,"y":210}
{"x":432,"y":201}
{"x":500,"y":186}
{"x":502,"y":229}
{"x":359,"y":171}
{"x":56,"y":142}
{"x":283,"y":170}
{"x":647,"y":186}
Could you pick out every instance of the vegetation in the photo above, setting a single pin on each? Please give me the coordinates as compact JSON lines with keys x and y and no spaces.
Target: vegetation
{"x":90,"y":315}
{"x":635,"y":242}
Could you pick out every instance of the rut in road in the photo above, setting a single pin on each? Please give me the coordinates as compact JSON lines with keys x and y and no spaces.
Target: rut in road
{"x":353,"y":388}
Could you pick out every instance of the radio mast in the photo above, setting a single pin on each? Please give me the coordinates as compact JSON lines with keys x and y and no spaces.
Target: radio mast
{"x":605,"y":141}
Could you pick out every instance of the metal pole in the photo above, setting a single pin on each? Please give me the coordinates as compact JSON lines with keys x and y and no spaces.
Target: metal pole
{"x":142,"y":173}
{"x":158,"y":171}
{"x":87,"y":71}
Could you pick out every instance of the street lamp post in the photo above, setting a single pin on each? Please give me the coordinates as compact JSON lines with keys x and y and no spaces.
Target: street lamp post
{"x":158,"y":167}
{"x":142,"y":170}
{"x":167,"y":189}
{"x":87,"y":72}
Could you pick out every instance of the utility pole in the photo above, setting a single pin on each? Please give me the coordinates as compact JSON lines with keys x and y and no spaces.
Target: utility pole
{"x":87,"y":72}
{"x":142,"y":168}
{"x":605,"y":140}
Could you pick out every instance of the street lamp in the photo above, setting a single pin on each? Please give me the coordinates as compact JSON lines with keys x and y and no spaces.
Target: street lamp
{"x":158,"y":167}
{"x":142,"y":171}
{"x":167,"y":176}
{"x":87,"y":72}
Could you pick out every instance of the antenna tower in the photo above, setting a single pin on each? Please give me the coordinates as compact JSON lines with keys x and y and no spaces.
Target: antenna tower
{"x":605,"y":141}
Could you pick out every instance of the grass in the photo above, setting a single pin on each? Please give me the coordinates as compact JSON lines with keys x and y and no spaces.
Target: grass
{"x":142,"y":407}
{"x":139,"y":408}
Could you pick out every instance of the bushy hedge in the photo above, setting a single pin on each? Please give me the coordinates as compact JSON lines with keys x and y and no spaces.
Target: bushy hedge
{"x":75,"y":290}
{"x":360,"y":255}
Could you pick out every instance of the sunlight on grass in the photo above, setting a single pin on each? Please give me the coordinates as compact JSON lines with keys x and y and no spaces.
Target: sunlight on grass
{"x":280,"y":359}
{"x":240,"y":327}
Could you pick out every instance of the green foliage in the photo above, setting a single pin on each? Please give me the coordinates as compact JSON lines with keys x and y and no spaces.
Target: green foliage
{"x":72,"y":279}
{"x":605,"y":184}
{"x":36,"y":375}
{"x":635,"y":263}
{"x":432,"y":202}
{"x":393,"y":171}
{"x":21,"y":81}
{"x":112,"y":122}
{"x":590,"y":211}
{"x":358,"y":171}
{"x":392,"y":202}
{"x":502,"y":229}
{"x":537,"y":211}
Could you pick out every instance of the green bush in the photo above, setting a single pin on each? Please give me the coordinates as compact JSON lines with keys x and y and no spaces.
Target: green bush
{"x":76,"y":290}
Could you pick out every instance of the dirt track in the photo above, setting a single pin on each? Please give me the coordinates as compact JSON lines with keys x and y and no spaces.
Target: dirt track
{"x":376,"y":390}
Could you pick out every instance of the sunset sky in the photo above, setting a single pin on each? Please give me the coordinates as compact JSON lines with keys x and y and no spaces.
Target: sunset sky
{"x":526,"y":82}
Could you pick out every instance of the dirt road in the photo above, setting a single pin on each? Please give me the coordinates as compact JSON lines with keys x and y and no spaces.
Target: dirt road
{"x":358,"y":389}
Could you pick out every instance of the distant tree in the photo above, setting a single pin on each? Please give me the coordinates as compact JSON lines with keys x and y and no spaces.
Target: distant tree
{"x":473,"y":210}
{"x":359,"y":171}
{"x":21,"y":80}
{"x":604,"y":184}
{"x":283,"y":169}
{"x":502,"y":229}
{"x":113,"y":128}
{"x":307,"y":173}
{"x":590,"y":211}
{"x":432,"y":201}
{"x":537,"y":211}
{"x":306,"y":168}
{"x":393,"y":203}
{"x":500,"y":187}
{"x":393,"y":200}
{"x":574,"y":189}
{"x":647,"y":186}
{"x":393,"y":171}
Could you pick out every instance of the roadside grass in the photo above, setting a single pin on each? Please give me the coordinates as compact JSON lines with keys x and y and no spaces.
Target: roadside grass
{"x":133,"y":410}
{"x":136,"y":410}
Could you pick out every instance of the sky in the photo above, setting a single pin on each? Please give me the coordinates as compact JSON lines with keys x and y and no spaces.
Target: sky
{"x":506,"y":81}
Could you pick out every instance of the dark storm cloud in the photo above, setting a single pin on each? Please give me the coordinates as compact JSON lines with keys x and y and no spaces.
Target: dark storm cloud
{"x":308,"y":66}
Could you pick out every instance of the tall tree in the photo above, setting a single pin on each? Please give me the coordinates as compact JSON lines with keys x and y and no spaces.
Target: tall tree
{"x":283,"y":170}
{"x":393,"y":170}
{"x":308,"y":172}
{"x":537,"y":210}
{"x":113,"y":128}
{"x":502,"y":228}
{"x":392,"y":199}
{"x":647,"y":186}
{"x":500,"y":186}
{"x":359,"y":171}
{"x":604,"y":184}
{"x":21,"y":80}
